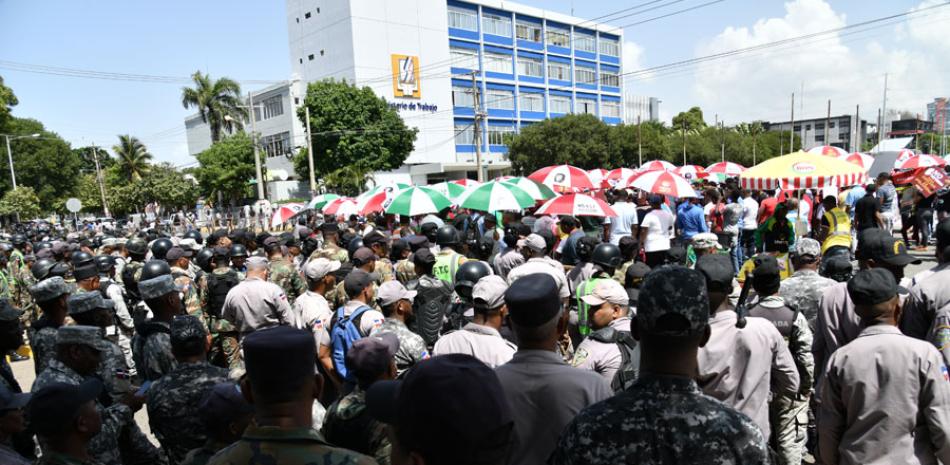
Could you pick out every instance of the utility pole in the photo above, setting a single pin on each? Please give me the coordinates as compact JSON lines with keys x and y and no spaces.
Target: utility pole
{"x":10,"y":161}
{"x":639,"y":142}
{"x":684,"y":141}
{"x":257,"y":155}
{"x":916,"y":132}
{"x":102,"y":189}
{"x":477,"y":129}
{"x":791,"y":130}
{"x":880,"y":127}
{"x":857,"y":130}
{"x":722,"y":139}
{"x":880,"y":132}
{"x":828,"y":125}
{"x":313,"y":182}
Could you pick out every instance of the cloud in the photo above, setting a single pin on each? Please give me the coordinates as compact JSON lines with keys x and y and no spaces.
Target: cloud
{"x":633,"y":58}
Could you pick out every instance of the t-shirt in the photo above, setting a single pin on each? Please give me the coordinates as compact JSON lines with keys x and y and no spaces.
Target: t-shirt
{"x":622,"y":224}
{"x":768,"y":208}
{"x":865,"y":212}
{"x":750,"y":209}
{"x":887,"y":193}
{"x":659,"y":226}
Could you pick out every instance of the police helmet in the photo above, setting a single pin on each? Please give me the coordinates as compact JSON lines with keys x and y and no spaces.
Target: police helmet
{"x":154,"y":269}
{"x":447,"y":235}
{"x":18,"y":240}
{"x":137,"y":247}
{"x":467,"y":275}
{"x":354,"y":244}
{"x":80,"y":258}
{"x":58,"y":269}
{"x":238,"y":250}
{"x":606,"y":255}
{"x":203,"y":259}
{"x":161,"y":247}
{"x":193,"y":234}
{"x":42,"y":245}
{"x":105,"y":263}
{"x":42,"y":267}
{"x":585,"y":247}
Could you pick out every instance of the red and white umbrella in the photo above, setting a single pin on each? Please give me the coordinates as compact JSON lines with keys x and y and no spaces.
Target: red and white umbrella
{"x":285,"y":212}
{"x":344,"y":206}
{"x":828,"y":151}
{"x":861,"y":159}
{"x":372,"y":203}
{"x":691,"y":172}
{"x":657,"y":165}
{"x":466,"y":182}
{"x":921,"y":161}
{"x":597,"y":176}
{"x":903,"y":156}
{"x":576,"y":205}
{"x":563,"y":178}
{"x":663,"y":183}
{"x":618,"y":175}
{"x":726,"y":167}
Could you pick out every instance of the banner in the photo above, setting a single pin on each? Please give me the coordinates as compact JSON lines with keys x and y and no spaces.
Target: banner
{"x":930,"y":180}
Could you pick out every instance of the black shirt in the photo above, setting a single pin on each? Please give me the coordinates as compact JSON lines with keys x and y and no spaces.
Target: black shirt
{"x":865,"y":210}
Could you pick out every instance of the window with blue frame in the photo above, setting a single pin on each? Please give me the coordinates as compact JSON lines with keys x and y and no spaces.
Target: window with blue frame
{"x":586,"y":105}
{"x":464,"y":134}
{"x":462,"y":96}
{"x":525,"y":30}
{"x":560,"y":104}
{"x":498,"y":62}
{"x":558,"y":37}
{"x":500,"y":99}
{"x":528,"y":101}
{"x":585,"y":75}
{"x":463,"y":58}
{"x":609,"y":78}
{"x":530,"y":66}
{"x":497,"y":133}
{"x":463,"y":18}
{"x":610,"y":109}
{"x":559,"y":71}
{"x":584,"y":42}
{"x":496,"y":24}
{"x":610,"y":47}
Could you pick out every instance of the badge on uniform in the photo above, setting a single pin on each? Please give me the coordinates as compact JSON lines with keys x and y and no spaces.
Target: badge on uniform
{"x":946,"y":375}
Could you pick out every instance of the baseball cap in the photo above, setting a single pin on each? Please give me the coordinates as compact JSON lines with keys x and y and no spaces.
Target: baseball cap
{"x":607,"y":290}
{"x":363,"y":255}
{"x":489,"y":292}
{"x":85,"y":272}
{"x":55,"y":406}
{"x":872,"y":286}
{"x":356,"y":281}
{"x":49,"y":289}
{"x":534,"y":242}
{"x":717,"y":270}
{"x":673,"y":302}
{"x":887,"y":249}
{"x":393,"y":291}
{"x":185,"y":328}
{"x":370,"y":357}
{"x":374,"y":237}
{"x":177,"y":252}
{"x":86,"y":302}
{"x":423,"y":256}
{"x":533,"y":300}
{"x":10,"y":400}
{"x":223,"y":404}
{"x":705,"y":241}
{"x":81,"y":335}
{"x":808,"y":246}
{"x":320,"y":267}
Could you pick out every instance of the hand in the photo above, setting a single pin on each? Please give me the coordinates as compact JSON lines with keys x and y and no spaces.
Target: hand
{"x":134,"y":402}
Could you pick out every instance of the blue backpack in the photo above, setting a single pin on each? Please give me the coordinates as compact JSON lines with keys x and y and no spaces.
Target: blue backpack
{"x":344,"y":331}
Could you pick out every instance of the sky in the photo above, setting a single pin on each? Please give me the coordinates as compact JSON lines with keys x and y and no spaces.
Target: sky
{"x":247,"y":41}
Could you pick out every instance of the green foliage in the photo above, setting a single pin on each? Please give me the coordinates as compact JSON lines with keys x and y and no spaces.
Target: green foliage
{"x":580,"y":140}
{"x":349,"y":180}
{"x":21,"y":201}
{"x":45,"y":163}
{"x":133,"y":157}
{"x":354,"y":133}
{"x":692,"y":118}
{"x":218,"y":102}
{"x":87,"y":191}
{"x":85,"y":155}
{"x":7,"y":101}
{"x":226,"y":167}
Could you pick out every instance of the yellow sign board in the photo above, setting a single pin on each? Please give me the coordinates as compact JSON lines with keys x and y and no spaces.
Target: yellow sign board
{"x":406,"y":76}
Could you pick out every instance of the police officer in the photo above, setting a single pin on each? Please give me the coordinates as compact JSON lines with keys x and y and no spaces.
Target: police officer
{"x":224,"y":336}
{"x":835,"y":232}
{"x":11,"y":337}
{"x":151,"y":345}
{"x":460,"y":312}
{"x":448,"y":260}
{"x":481,"y":338}
{"x":238,"y":256}
{"x":120,"y":331}
{"x":256,"y":303}
{"x":50,"y":296}
{"x":396,"y":302}
{"x":173,"y":400}
{"x":803,"y":289}
{"x":89,"y":308}
{"x":160,"y":248}
{"x":604,"y":260}
{"x":379,"y":244}
{"x":664,"y":415}
{"x":12,"y":423}
{"x":282,"y":271}
{"x":603,"y":350}
{"x":66,"y":417}
{"x":511,"y":257}
{"x":225,"y":414}
{"x":136,"y":250}
{"x":433,"y":297}
{"x":535,"y":249}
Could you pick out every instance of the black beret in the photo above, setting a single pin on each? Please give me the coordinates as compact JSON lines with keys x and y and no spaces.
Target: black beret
{"x":873,"y":286}
{"x":533,"y":300}
{"x":279,"y":355}
{"x":717,"y":269}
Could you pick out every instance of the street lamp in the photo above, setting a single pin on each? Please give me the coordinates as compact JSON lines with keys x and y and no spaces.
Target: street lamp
{"x":10,"y":137}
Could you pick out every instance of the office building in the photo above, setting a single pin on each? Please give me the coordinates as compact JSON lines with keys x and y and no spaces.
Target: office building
{"x":938,"y":111}
{"x":638,"y":107}
{"x":842,"y":131}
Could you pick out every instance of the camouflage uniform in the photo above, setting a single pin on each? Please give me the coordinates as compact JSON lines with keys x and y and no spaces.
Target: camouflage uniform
{"x":114,"y":372}
{"x":224,"y":336}
{"x":55,"y":458}
{"x":43,"y":343}
{"x":405,"y":271}
{"x":19,"y":281}
{"x":153,"y":351}
{"x":188,"y":291}
{"x":201,"y":455}
{"x":123,"y":327}
{"x":173,"y":403}
{"x":803,"y":290}
{"x":331,"y":251}
{"x":287,"y":446}
{"x":412,"y":349}
{"x":283,"y":274}
{"x":384,"y":268}
{"x":661,"y":419}
{"x":347,"y":425}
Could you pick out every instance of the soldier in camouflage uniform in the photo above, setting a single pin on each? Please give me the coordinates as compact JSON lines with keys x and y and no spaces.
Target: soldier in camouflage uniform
{"x":19,"y":277}
{"x":281,"y":379}
{"x":151,"y":344}
{"x":89,"y":308}
{"x":379,"y":244}
{"x":136,"y":249}
{"x":664,"y":417}
{"x":65,"y":413}
{"x":178,"y":259}
{"x":225,"y":349}
{"x":804,"y":288}
{"x":331,"y":250}
{"x":11,"y":337}
{"x":282,"y":271}
{"x":396,"y":303}
{"x":173,"y":399}
{"x":225,"y":414}
{"x":50,"y":296}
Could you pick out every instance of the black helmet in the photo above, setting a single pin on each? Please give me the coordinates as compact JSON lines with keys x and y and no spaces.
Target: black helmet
{"x":467,"y":275}
{"x":429,"y":230}
{"x":238,"y":250}
{"x":41,"y":268}
{"x":193,"y":234}
{"x":80,"y":258}
{"x":203,"y":259}
{"x":161,"y":247}
{"x":137,"y":247}
{"x":447,"y":235}
{"x":355,"y":243}
{"x":585,"y":247}
{"x":59,"y":269}
{"x":606,"y":255}
{"x":42,"y":245}
{"x":105,"y":263}
{"x":18,"y":240}
{"x":154,"y":269}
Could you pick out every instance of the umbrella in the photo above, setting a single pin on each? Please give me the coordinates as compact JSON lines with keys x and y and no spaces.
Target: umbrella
{"x":343,"y":206}
{"x":615,"y":176}
{"x":828,"y":151}
{"x":657,"y":165}
{"x":496,"y":196}
{"x":903,"y":156}
{"x":664,"y":183}
{"x":284,"y":213}
{"x":563,"y":178}
{"x":372,"y":203}
{"x":921,"y":161}
{"x":691,"y":172}
{"x":597,"y":176}
{"x":576,"y":205}
{"x":860,"y":159}
{"x":391,"y":187}
{"x":466,"y":182}
{"x":535,"y":189}
{"x":449,"y":189}
{"x":802,"y":170}
{"x":321,"y":200}
{"x":417,"y":200}
{"x":726,"y":167}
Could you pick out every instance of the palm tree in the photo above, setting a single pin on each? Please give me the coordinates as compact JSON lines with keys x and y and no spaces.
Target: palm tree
{"x":132,"y":157}
{"x":218,"y":102}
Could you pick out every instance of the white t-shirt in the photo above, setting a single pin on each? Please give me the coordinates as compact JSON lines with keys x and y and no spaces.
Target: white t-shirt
{"x":622,"y":225}
{"x":750,"y":212}
{"x":659,"y":226}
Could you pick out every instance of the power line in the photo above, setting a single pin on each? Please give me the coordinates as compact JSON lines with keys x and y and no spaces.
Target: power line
{"x":93,"y":74}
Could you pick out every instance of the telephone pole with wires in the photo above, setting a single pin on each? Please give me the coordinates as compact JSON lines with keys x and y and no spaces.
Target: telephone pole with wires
{"x":477,"y":128}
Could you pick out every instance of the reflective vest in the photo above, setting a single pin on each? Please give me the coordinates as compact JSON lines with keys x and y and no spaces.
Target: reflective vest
{"x":583,"y":309}
{"x":445,"y":267}
{"x":839,"y":229}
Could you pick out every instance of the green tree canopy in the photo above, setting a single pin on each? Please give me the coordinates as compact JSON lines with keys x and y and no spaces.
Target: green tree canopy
{"x":133,"y":157}
{"x":45,"y":163}
{"x":354,"y":129}
{"x":226,"y":167}
{"x":650,"y":138}
{"x":693,"y":118}
{"x":8,"y":100}
{"x":85,"y":155}
{"x":580,"y":140}
{"x":218,"y":102}
{"x":21,"y":201}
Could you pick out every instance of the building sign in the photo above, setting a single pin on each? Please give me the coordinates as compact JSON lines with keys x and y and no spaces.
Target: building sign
{"x":412,"y":106}
{"x":406,"y":76}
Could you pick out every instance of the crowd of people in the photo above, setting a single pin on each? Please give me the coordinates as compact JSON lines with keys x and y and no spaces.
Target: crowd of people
{"x":734,"y":327}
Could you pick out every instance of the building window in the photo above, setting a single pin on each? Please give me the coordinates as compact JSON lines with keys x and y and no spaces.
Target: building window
{"x":273,"y":106}
{"x":496,"y":24}
{"x":584,"y":75}
{"x":808,"y":127}
{"x":609,"y":78}
{"x":831,"y":124}
{"x":496,"y":134}
{"x":559,"y":71}
{"x":560,"y":104}
{"x":531,"y":102}
{"x":276,"y":145}
{"x":558,"y":37}
{"x":498,"y":63}
{"x":462,"y":18}
{"x":310,"y":57}
{"x":610,"y":109}
{"x":584,"y":42}
{"x":528,"y":66}
{"x":819,"y":137}
{"x":587,"y":105}
{"x":797,"y":128}
{"x":528,"y":31}
{"x":301,"y":61}
{"x":307,"y":15}
{"x":498,"y":99}
{"x":464,"y":58}
{"x":610,"y":47}
{"x":298,"y":20}
{"x":462,"y":97}
{"x":464,"y":134}
{"x":819,"y":126}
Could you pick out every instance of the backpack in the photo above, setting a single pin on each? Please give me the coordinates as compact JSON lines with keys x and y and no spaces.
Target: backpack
{"x":344,"y":331}
{"x":629,"y":354}
{"x":429,"y":306}
{"x":219,"y":284}
{"x":131,"y":285}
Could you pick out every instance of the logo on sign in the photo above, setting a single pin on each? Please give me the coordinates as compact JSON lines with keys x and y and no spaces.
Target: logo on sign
{"x":406,"y":76}
{"x":665,"y":187}
{"x":803,"y":167}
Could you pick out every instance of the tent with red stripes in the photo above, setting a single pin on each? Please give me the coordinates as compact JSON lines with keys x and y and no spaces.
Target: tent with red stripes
{"x":801,"y":170}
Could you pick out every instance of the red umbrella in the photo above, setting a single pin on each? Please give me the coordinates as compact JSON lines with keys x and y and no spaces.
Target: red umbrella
{"x":829,"y":151}
{"x":285,"y":212}
{"x":343,"y":206}
{"x":576,"y":205}
{"x":691,"y":172}
{"x":921,"y":161}
{"x":616,"y":176}
{"x":657,"y":165}
{"x":664,"y":183}
{"x":726,"y":167}
{"x":861,"y":159}
{"x":563,"y":178}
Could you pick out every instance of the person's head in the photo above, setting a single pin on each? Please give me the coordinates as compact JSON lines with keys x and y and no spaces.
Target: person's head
{"x":424,"y":260}
{"x":87,"y":277}
{"x":488,"y":297}
{"x":238,"y":254}
{"x":51,"y":296}
{"x":330,"y":232}
{"x":89,"y":308}
{"x":870,"y":189}
{"x":161,"y":296}
{"x":882,"y":250}
{"x":533,"y":246}
{"x":179,"y":257}
{"x":830,"y":202}
{"x":272,"y":247}
{"x":807,"y":254}
{"x":447,"y":236}
{"x":364,"y":259}
{"x":608,"y":302}
{"x":781,"y":210}
{"x":705,"y":243}
{"x":12,"y":418}
{"x":358,"y":285}
{"x":377,"y":242}
{"x":713,"y":195}
{"x":633,"y":278}
{"x":535,"y":311}
{"x":567,"y":224}
{"x":80,"y":347}
{"x":655,"y":200}
{"x":396,"y":301}
{"x":468,"y":274}
{"x":883,"y":178}
{"x":225,"y":413}
{"x":221,"y":257}
{"x":320,"y":273}
{"x":257,"y":267}
{"x":370,"y":359}
{"x":717,"y":272}
{"x":189,"y":339}
{"x":281,"y":380}
{"x":942,"y":235}
{"x":60,"y":412}
{"x":874,"y":293}
{"x":607,"y":257}
{"x":629,"y":246}
{"x":449,"y":409}
{"x":838,"y":268}
{"x":11,"y":331}
{"x":766,"y":276}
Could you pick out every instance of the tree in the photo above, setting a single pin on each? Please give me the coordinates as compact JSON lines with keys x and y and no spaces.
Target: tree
{"x":580,"y":140}
{"x":650,"y":137}
{"x":227,"y":167}
{"x":751,"y":130}
{"x":21,"y":201}
{"x":352,"y":129}
{"x":168,"y":186}
{"x":45,"y":163}
{"x":87,"y":191}
{"x":133,"y":157}
{"x":87,"y":158}
{"x":7,"y":101}
{"x":693,"y":118}
{"x":218,"y":102}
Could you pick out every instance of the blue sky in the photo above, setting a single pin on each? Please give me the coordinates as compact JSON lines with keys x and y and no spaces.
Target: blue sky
{"x":247,"y":40}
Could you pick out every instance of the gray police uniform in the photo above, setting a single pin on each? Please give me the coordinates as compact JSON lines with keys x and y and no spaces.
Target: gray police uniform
{"x":506,"y":261}
{"x":152,"y":349}
{"x":926,"y":297}
{"x":256,"y":304}
{"x":482,"y":342}
{"x":543,"y":265}
{"x":603,"y":358}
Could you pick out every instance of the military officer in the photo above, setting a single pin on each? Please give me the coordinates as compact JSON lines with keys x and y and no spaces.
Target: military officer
{"x":89,"y":308}
{"x":179,"y":259}
{"x":379,"y":244}
{"x":803,"y":289}
{"x":396,"y":302}
{"x":331,"y":249}
{"x":66,"y":418}
{"x":225,"y":414}
{"x":151,"y":345}
{"x":50,"y":296}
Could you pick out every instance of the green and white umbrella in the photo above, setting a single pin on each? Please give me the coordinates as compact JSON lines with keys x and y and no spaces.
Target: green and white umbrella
{"x":449,"y":189}
{"x":321,"y":200}
{"x":417,"y":201}
{"x":496,"y":196}
{"x":535,"y":189}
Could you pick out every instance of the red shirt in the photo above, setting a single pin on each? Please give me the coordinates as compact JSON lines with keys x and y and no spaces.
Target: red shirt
{"x":767,"y":208}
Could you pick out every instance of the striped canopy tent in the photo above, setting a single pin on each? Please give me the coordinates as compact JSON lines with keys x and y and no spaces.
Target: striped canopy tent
{"x":829,"y":151}
{"x":801,"y":170}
